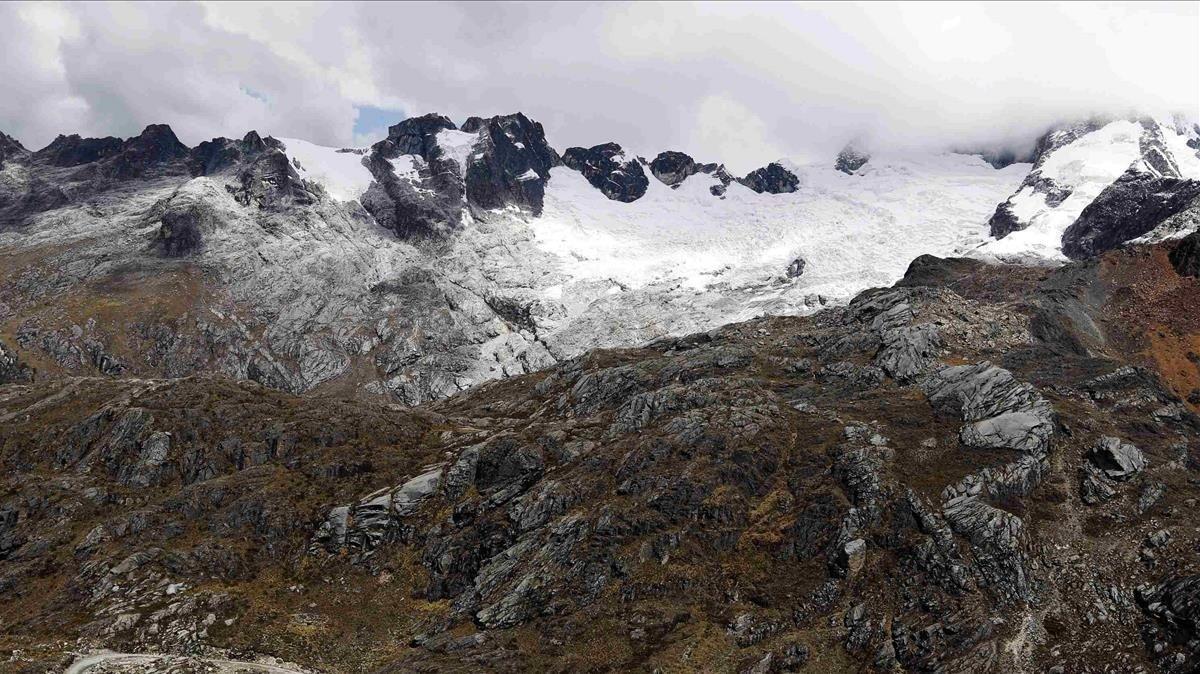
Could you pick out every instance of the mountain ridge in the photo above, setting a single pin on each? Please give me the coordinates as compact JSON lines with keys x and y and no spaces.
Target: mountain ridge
{"x":444,"y":256}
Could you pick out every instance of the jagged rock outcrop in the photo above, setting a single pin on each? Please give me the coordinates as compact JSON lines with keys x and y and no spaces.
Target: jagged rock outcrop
{"x":1003,"y":412}
{"x":608,"y":169}
{"x":156,"y":148}
{"x":771,"y":179}
{"x":851,"y":159}
{"x":672,"y":168}
{"x":71,"y":169}
{"x":1133,"y":205}
{"x":183,"y":229}
{"x":1104,"y":207}
{"x":270,"y":182}
{"x":796,"y":267}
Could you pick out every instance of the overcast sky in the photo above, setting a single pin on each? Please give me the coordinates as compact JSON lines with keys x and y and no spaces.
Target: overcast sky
{"x":739,"y":83}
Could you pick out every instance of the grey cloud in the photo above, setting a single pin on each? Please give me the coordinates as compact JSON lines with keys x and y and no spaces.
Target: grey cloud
{"x":739,"y":83}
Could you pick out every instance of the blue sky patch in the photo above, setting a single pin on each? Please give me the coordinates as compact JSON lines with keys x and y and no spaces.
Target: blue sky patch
{"x":372,"y":122}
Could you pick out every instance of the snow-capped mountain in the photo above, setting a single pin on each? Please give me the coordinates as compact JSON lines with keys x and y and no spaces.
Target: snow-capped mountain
{"x":1090,"y":164}
{"x":446,"y":255}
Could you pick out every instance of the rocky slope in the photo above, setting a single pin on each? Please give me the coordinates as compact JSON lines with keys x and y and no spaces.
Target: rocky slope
{"x":983,"y":468}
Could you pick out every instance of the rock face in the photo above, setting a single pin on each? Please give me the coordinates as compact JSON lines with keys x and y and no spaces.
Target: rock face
{"x":429,"y":173}
{"x":12,"y":370}
{"x":72,"y":169}
{"x":672,"y":168}
{"x":608,"y":170}
{"x":512,"y":165}
{"x":1105,"y":207}
{"x":215,"y":156}
{"x":270,"y":182}
{"x":1130,"y":207}
{"x":851,"y":159}
{"x":418,"y":190}
{"x":1185,"y":256}
{"x":771,"y":179}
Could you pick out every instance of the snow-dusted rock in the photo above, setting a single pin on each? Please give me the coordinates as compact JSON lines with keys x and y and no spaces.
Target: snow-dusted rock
{"x":771,"y":179}
{"x":1093,"y":185}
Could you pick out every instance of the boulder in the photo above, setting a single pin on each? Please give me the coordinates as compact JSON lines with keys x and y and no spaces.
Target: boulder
{"x":851,"y":159}
{"x":851,"y":557}
{"x":796,"y":268}
{"x":909,"y":350}
{"x":1118,"y":460}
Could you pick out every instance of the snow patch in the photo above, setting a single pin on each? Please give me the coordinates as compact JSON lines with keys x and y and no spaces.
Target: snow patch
{"x":853,"y":233}
{"x":342,"y":174}
{"x":458,"y":146}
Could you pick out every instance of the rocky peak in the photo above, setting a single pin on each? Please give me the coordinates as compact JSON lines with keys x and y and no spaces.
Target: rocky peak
{"x":772,"y":179}
{"x":1155,"y":160}
{"x":851,"y":158}
{"x":415,"y":135}
{"x":219,"y":154}
{"x":155,"y":146}
{"x":10,"y":148}
{"x":608,"y":170}
{"x":1062,"y":135}
{"x":72,"y":150}
{"x":511,"y":164}
{"x":672,"y":168}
